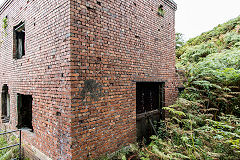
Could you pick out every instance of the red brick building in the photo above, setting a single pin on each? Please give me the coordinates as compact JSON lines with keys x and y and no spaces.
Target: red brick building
{"x":78,"y":74}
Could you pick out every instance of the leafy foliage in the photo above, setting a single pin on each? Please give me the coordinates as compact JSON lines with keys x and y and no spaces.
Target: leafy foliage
{"x":214,"y":35}
{"x":7,"y":154}
{"x":179,"y":40}
{"x":5,"y":24}
{"x":204,"y":123}
{"x":212,"y":68}
{"x":4,"y":27}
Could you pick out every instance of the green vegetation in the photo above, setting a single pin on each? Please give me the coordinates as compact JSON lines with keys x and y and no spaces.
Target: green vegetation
{"x":161,"y":12}
{"x":204,"y":123}
{"x":179,"y":40}
{"x":7,"y":140}
{"x":4,"y":27}
{"x":212,"y":67}
{"x":5,"y":24}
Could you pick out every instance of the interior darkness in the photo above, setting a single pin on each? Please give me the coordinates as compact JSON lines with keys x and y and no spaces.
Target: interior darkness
{"x":149,"y":101}
{"x":24,"y":111}
{"x":20,"y":40}
{"x":5,"y":104}
{"x":147,"y":97}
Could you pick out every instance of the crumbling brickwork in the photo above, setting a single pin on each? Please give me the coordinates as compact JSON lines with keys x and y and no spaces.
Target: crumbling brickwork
{"x":81,"y":64}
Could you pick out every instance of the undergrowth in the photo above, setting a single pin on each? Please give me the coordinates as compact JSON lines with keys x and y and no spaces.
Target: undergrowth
{"x":204,"y":123}
{"x":10,"y":153}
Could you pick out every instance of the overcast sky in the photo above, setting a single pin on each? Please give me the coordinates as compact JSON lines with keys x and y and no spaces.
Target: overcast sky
{"x":196,"y":16}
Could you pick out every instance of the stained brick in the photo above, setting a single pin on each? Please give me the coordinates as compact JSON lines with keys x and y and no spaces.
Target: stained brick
{"x":81,"y":64}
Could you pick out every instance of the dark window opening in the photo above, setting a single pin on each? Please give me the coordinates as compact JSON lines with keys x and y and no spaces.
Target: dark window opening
{"x":149,"y":101}
{"x":19,"y":40}
{"x":161,"y":12}
{"x":5,"y":104}
{"x":24,"y":107}
{"x":181,"y":89}
{"x":99,"y":3}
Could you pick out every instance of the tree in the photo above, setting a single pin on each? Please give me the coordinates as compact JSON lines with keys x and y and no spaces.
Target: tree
{"x":179,"y":40}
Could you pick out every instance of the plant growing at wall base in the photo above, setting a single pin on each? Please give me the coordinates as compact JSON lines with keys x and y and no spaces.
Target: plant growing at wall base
{"x":204,"y":123}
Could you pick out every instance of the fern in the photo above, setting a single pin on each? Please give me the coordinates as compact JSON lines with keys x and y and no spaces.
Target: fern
{"x":174,"y":111}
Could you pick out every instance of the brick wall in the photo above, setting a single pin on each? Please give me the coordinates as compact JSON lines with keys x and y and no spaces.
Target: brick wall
{"x":42,"y":72}
{"x":83,"y":59}
{"x":115,"y":44}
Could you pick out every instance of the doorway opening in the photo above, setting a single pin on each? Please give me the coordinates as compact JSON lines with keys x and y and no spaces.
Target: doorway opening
{"x":149,"y":101}
{"x":24,"y":107}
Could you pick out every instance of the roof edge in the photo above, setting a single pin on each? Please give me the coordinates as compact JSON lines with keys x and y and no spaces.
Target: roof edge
{"x":171,"y":4}
{"x":4,"y":5}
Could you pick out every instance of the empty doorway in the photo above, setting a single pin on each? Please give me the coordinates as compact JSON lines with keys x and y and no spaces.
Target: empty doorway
{"x":149,"y":101}
{"x":24,"y":106}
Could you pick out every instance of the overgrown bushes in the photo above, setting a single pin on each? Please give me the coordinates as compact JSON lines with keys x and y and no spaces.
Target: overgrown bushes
{"x":7,"y":140}
{"x":204,"y":123}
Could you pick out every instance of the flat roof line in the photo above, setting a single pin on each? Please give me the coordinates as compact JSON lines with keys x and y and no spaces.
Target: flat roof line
{"x":171,"y":4}
{"x":4,"y":5}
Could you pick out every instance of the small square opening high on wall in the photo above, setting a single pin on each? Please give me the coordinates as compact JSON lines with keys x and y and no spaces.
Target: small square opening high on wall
{"x":150,"y":101}
{"x":19,"y":41}
{"x":24,"y":108}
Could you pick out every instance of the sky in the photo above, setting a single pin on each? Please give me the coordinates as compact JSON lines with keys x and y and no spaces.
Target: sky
{"x":194,"y":17}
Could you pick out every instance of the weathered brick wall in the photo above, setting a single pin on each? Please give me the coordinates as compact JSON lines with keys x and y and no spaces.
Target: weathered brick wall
{"x":42,"y":72}
{"x":114,"y":44}
{"x":83,"y":59}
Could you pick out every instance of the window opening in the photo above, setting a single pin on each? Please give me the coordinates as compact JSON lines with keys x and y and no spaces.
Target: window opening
{"x":149,"y":101}
{"x":19,"y":40}
{"x":5,"y":104}
{"x":161,"y":12}
{"x":24,"y":107}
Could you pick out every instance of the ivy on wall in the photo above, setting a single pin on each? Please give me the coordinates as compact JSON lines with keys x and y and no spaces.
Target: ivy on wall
{"x":5,"y":23}
{"x":4,"y":27}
